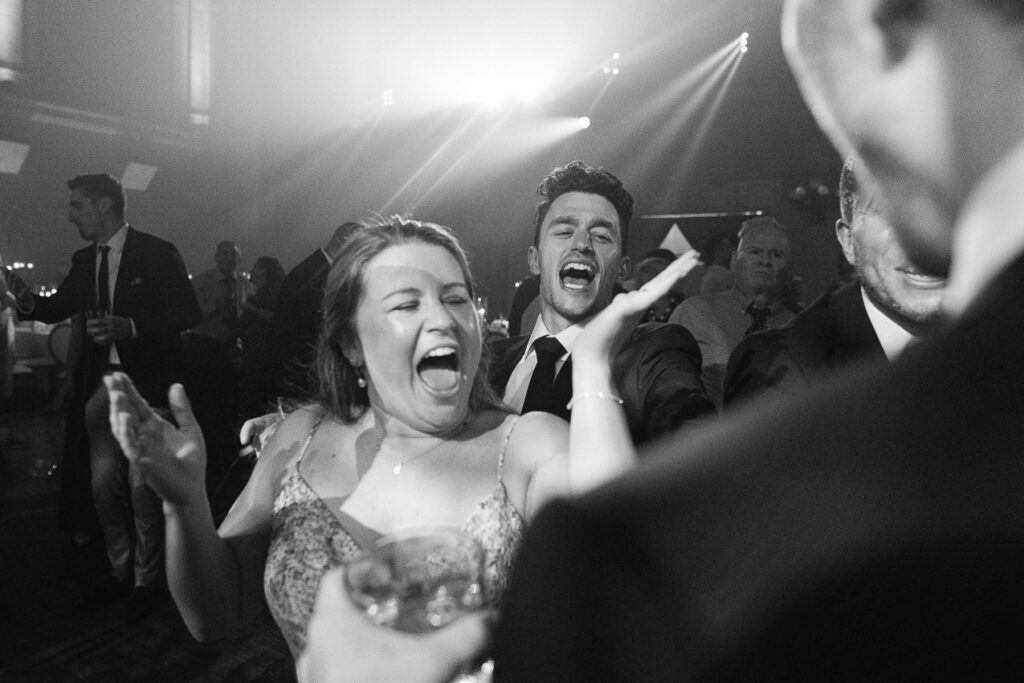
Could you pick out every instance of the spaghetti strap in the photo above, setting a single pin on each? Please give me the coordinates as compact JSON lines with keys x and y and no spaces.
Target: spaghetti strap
{"x":309,"y":439}
{"x":504,"y":447}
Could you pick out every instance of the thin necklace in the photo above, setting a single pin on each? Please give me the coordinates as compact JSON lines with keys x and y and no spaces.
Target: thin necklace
{"x":397,"y":469}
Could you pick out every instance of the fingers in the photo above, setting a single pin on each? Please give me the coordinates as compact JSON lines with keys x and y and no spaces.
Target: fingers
{"x":255,"y":426}
{"x":460,"y":642}
{"x":679,"y":268}
{"x":249,"y":430}
{"x":132,"y":396}
{"x":181,"y":407}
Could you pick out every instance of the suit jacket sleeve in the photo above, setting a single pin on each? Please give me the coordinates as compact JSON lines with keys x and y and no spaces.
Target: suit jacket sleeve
{"x":763,"y":364}
{"x":74,"y":293}
{"x":178,"y":309}
{"x":659,"y":374}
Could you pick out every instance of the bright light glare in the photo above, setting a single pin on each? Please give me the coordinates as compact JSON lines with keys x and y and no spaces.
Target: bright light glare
{"x":584,"y":122}
{"x":615,"y":55}
{"x":743,"y":49}
{"x":496,"y":91}
{"x":744,"y":36}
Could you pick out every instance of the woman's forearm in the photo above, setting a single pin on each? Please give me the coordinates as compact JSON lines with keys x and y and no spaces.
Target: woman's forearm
{"x":209,"y":583}
{"x":600,"y":446}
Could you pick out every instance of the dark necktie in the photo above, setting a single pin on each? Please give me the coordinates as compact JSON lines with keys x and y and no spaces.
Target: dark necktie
{"x":103,"y":282}
{"x":760,"y":314}
{"x":539,"y":395}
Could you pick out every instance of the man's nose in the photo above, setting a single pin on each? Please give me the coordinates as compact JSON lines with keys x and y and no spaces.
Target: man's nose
{"x":581,"y":241}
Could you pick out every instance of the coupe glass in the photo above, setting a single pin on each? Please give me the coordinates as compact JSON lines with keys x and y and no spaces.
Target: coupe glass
{"x":418,"y":580}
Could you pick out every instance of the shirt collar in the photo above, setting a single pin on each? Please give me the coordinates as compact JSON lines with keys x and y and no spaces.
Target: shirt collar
{"x":743,"y":301}
{"x":893,"y":338}
{"x":989,"y":233}
{"x":567,"y":337}
{"x":116,"y":241}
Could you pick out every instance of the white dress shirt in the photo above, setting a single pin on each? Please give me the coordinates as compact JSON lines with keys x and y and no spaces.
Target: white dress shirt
{"x":519,"y":380}
{"x":894,"y":339}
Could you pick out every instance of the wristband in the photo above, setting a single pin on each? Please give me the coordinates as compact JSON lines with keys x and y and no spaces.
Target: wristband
{"x":592,"y":394}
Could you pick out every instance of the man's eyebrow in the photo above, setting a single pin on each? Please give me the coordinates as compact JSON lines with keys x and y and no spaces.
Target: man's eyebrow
{"x":565,"y":218}
{"x":571,"y":219}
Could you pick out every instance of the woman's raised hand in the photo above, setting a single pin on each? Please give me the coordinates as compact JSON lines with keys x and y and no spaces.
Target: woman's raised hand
{"x":605,"y":335}
{"x":171,"y":459}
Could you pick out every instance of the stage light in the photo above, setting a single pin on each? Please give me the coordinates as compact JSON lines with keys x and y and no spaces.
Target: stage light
{"x":388,"y":97}
{"x":583,"y":122}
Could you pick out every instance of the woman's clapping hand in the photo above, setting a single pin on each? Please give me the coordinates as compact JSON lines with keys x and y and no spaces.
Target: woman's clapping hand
{"x":605,"y":335}
{"x":171,"y":459}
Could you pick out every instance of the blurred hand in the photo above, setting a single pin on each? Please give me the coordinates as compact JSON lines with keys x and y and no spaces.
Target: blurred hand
{"x":109,"y":329}
{"x":604,"y":336}
{"x":258,"y":430}
{"x":346,"y":647}
{"x":171,"y":459}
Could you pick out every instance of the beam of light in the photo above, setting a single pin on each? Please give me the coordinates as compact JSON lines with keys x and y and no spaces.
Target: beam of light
{"x":436,"y":154}
{"x":697,"y":139}
{"x":583,"y":122}
{"x":698,"y":76}
{"x":469,"y":152}
{"x":688,"y":101}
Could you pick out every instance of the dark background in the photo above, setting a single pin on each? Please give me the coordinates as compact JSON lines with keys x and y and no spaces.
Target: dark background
{"x":298,"y":142}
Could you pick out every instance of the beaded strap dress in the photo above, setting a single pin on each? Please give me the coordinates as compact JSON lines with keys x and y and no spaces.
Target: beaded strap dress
{"x":308,"y":539}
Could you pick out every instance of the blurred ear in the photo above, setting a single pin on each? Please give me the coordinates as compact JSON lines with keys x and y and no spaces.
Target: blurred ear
{"x":104,"y":204}
{"x":845,"y":236}
{"x":533,"y":258}
{"x":896,"y":20}
{"x":625,"y":267}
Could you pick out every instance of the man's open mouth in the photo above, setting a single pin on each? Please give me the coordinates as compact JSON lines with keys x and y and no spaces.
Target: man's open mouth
{"x":439,"y":369}
{"x":575,"y":275}
{"x":922,"y":277}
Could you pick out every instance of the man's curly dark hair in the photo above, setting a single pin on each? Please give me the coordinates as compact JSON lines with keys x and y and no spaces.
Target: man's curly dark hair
{"x":577,"y":176}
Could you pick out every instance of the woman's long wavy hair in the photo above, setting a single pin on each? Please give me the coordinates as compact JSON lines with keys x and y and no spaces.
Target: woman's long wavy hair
{"x":340,"y":392}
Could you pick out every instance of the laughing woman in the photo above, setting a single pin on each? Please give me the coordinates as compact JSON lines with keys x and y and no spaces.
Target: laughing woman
{"x":406,"y":434}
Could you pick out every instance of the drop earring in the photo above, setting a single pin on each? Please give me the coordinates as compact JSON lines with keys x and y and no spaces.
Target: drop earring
{"x":360,"y":381}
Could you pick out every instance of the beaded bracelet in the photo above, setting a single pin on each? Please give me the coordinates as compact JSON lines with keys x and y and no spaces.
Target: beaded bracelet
{"x":592,"y":394}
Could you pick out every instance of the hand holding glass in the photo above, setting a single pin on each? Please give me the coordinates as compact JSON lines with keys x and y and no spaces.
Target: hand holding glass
{"x":419,"y":580}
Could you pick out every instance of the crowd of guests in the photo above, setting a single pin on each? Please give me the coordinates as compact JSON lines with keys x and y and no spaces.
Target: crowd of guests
{"x":807,"y":500}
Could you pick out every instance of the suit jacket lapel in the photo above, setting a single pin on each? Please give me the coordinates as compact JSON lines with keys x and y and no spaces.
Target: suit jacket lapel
{"x":853,"y":334}
{"x":504,"y":356}
{"x":126,"y":266}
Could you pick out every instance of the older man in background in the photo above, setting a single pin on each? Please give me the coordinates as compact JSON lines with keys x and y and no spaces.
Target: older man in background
{"x":719,"y":321}
{"x":892,"y":303}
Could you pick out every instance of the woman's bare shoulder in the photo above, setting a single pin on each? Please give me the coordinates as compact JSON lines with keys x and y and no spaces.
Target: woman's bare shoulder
{"x":536,"y":437}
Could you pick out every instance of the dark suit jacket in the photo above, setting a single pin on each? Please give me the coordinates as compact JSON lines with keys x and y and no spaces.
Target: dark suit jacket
{"x":152,"y":289}
{"x":828,"y":334}
{"x":657,"y":374}
{"x":872,"y":529}
{"x":296,"y":325}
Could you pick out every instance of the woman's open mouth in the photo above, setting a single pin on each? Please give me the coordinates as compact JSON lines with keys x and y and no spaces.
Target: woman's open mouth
{"x":439,"y":369}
